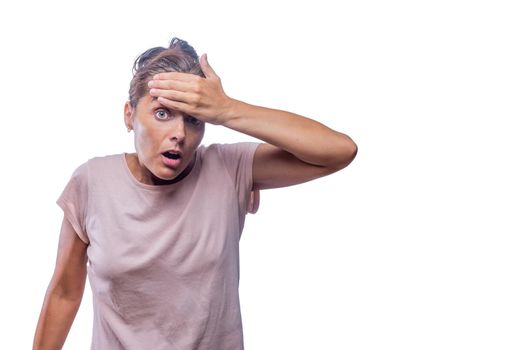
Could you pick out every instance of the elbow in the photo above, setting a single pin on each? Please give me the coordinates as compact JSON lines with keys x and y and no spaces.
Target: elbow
{"x":73,"y":295}
{"x":347,"y":155}
{"x":352,"y":154}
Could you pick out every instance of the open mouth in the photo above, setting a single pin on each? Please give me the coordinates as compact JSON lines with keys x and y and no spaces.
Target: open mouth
{"x":171,"y":155}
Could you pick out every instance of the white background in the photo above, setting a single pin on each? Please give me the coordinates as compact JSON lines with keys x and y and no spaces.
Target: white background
{"x":418,"y":244}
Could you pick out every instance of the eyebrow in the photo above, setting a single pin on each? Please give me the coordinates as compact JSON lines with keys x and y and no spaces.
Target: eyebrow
{"x":154,"y":101}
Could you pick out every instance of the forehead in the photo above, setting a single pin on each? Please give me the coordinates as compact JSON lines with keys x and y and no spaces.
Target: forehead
{"x":148,"y":100}
{"x":150,"y":103}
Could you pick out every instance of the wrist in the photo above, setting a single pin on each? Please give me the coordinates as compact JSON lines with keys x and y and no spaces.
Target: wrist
{"x":230,"y":111}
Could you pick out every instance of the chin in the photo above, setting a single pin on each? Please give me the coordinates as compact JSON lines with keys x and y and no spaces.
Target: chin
{"x":171,"y":174}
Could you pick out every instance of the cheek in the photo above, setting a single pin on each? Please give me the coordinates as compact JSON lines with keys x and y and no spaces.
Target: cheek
{"x":145,"y":140}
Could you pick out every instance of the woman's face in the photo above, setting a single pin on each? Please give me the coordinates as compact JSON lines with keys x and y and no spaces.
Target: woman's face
{"x":158,"y":129}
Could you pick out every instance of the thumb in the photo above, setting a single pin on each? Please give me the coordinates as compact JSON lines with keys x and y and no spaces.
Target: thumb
{"x":206,"y":68}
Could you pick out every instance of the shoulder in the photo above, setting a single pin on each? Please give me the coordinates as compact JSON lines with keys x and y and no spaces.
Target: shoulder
{"x":105,"y":161}
{"x":107,"y":158}
{"x":229,"y":150}
{"x":82,"y":170}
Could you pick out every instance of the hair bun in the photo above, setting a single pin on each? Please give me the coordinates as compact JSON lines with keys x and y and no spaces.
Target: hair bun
{"x":177,"y":43}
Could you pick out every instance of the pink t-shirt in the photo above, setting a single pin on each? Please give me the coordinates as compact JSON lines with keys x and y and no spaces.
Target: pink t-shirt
{"x":163,"y":261}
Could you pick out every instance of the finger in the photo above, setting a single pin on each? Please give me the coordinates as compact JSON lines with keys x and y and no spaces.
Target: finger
{"x":206,"y":68}
{"x":177,"y":85}
{"x":175,"y":105}
{"x":175,"y":76}
{"x":172,"y":95}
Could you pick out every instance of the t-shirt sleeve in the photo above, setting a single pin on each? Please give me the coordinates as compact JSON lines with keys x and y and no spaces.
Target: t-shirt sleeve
{"x":238,"y":159}
{"x":73,"y":201}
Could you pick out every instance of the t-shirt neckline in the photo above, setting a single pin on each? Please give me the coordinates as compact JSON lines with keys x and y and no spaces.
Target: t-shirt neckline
{"x":137,"y":183}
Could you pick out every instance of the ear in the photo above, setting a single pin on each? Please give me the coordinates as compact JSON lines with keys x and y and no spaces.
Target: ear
{"x":128,"y":115}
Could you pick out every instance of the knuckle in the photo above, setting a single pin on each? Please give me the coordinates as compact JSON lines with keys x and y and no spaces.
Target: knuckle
{"x":196,"y":99}
{"x":198,"y":88}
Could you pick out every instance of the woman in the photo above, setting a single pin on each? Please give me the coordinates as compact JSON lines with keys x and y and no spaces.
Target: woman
{"x":158,"y":231}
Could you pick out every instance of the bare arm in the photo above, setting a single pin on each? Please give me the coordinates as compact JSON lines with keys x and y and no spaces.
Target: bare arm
{"x":64,"y":293}
{"x":298,"y":149}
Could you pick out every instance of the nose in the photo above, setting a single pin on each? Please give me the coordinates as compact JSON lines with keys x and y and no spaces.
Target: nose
{"x":178,"y":128}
